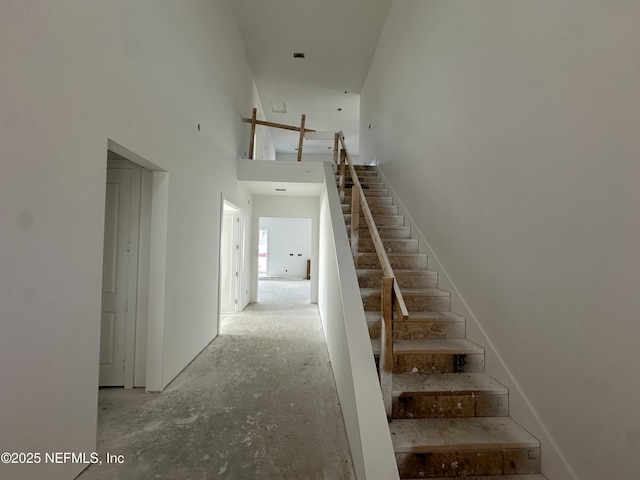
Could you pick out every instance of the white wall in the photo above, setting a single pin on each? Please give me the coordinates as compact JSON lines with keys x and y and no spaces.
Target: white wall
{"x":285,"y":207}
{"x":510,"y":129}
{"x":306,"y":157}
{"x":75,"y":74}
{"x":265,"y":148}
{"x":288,"y":246}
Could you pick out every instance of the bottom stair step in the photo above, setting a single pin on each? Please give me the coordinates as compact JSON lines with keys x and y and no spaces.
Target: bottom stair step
{"x":454,"y":383}
{"x":457,"y":434}
{"x":463,"y":447}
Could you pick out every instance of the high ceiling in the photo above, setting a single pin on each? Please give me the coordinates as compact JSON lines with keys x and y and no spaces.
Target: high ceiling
{"x":338,"y":39}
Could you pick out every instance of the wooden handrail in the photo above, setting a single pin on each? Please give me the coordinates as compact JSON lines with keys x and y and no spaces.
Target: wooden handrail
{"x":390,"y":294}
{"x":375,"y":235}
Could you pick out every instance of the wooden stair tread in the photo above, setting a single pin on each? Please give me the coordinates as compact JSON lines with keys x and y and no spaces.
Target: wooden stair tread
{"x":421,"y":317}
{"x":347,"y":200}
{"x":457,"y":434}
{"x":377,"y":216}
{"x":368,"y":185}
{"x":430,"y":346}
{"x":498,"y":477}
{"x":383,"y":192}
{"x":454,"y":383}
{"x":382,"y":228}
{"x":394,"y":254}
{"x":364,"y":227}
{"x":392,"y":239}
{"x":416,"y":292}
{"x":397,"y":271}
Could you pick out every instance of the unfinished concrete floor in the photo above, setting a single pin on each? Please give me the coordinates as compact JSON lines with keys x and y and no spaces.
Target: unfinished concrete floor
{"x":258,"y":402}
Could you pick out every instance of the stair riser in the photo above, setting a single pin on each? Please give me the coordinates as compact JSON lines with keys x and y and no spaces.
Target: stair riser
{"x":450,"y":406}
{"x":376,"y":193}
{"x":366,"y":185}
{"x":360,"y":173}
{"x":375,"y":209}
{"x":371,"y":201}
{"x":385,"y":232}
{"x":362,"y":176}
{"x":467,"y":463}
{"x":374,"y":329}
{"x":365,"y":168}
{"x":387,"y":221}
{"x":407,"y":329}
{"x":414,"y":303}
{"x":383,"y":221}
{"x":370,"y":261}
{"x":439,"y":363}
{"x":364,"y":181}
{"x":405,"y":280}
{"x":410,"y":245}
{"x":362,"y":170}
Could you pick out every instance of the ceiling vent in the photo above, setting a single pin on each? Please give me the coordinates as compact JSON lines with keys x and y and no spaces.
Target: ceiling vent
{"x":278,"y":107}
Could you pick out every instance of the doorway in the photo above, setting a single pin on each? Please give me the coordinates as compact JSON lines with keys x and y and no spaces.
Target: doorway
{"x":231,"y":248}
{"x":123,"y":321}
{"x":263,"y":245}
{"x":284,"y":259}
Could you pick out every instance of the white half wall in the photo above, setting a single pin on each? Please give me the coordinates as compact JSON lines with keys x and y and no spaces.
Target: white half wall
{"x":510,"y":131}
{"x":312,"y":157}
{"x":349,"y":345}
{"x":167,"y":80}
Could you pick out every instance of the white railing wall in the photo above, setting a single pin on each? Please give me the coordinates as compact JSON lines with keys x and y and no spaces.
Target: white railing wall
{"x":350,"y":351}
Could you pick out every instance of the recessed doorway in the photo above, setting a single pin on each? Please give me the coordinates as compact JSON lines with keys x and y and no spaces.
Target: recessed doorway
{"x":121,"y":255}
{"x":134,"y":262}
{"x":231,"y":248}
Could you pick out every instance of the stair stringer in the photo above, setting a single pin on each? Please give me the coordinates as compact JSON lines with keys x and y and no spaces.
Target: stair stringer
{"x":520,"y":407}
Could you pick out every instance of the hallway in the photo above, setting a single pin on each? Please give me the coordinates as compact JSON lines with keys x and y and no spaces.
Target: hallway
{"x":258,"y":402}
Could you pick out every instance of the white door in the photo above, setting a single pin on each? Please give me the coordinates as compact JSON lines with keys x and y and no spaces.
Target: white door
{"x":115,"y":275}
{"x":229,"y":251}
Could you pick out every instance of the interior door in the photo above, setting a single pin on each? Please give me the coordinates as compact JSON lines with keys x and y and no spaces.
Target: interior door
{"x":115,"y":277}
{"x":229,"y":250}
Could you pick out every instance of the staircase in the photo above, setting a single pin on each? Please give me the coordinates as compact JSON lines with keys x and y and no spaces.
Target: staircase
{"x":449,"y":418}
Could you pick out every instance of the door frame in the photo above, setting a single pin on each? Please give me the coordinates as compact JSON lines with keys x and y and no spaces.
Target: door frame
{"x":239,"y":254}
{"x":146,"y":368}
{"x":229,"y":262}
